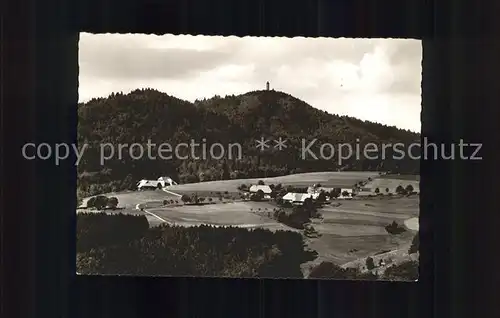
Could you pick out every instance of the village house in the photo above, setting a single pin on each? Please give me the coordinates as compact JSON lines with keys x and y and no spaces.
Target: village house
{"x":314,"y":190}
{"x":264,"y":188}
{"x":162,"y":182}
{"x":297,"y":198}
{"x":344,"y":190}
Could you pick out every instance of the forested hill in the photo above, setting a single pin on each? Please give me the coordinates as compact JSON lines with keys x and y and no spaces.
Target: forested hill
{"x":273,"y":112}
{"x":147,"y":114}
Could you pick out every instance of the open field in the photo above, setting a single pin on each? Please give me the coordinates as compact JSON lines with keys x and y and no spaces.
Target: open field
{"x":221,"y":214}
{"x":344,"y":179}
{"x":343,"y":249}
{"x":355,"y":229}
{"x":218,"y":214}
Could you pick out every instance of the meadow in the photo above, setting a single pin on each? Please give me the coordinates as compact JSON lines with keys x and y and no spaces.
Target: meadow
{"x":326,"y":179}
{"x":348,"y":230}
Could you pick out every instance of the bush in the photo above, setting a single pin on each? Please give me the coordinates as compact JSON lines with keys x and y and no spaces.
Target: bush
{"x":394,"y":228}
{"x":185,"y":198}
{"x":403,"y":191}
{"x":321,"y":197}
{"x":405,"y":271}
{"x":98,"y":202}
{"x":335,"y":193}
{"x":310,"y":231}
{"x":258,"y":196}
{"x":370,"y":264}
{"x":91,"y":202}
{"x":195,"y":199}
{"x":287,"y":204}
{"x":112,"y":203}
{"x":296,"y":219}
{"x":279,"y":214}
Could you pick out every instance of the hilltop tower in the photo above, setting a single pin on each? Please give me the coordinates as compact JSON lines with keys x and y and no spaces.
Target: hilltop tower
{"x":267,"y":86}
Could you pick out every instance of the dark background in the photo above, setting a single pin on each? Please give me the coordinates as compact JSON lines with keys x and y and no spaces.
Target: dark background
{"x":39,"y":73}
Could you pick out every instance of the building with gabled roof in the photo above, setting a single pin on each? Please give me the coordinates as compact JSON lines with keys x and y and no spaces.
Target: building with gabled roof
{"x":264,"y":188}
{"x":297,"y":198}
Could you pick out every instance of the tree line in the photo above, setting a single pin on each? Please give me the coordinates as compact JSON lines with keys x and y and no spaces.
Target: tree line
{"x":125,"y":245}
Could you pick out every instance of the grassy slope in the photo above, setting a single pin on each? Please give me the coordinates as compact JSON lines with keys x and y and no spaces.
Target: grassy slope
{"x":328,"y":179}
{"x":355,"y":229}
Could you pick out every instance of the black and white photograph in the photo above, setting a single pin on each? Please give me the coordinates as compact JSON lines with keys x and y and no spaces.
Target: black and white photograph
{"x":249,"y":157}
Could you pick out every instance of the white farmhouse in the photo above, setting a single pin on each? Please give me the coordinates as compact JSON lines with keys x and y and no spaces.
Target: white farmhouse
{"x":166,"y":181}
{"x":297,"y":198}
{"x":264,"y":188}
{"x":162,"y":182}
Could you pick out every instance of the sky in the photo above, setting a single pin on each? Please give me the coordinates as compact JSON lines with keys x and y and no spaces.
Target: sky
{"x":371,"y":79}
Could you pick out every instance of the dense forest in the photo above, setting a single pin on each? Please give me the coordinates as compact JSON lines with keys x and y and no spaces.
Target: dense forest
{"x":147,"y":114}
{"x":126,"y":245}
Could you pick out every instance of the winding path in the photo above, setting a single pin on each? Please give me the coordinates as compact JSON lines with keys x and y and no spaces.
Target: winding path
{"x":170,"y":192}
